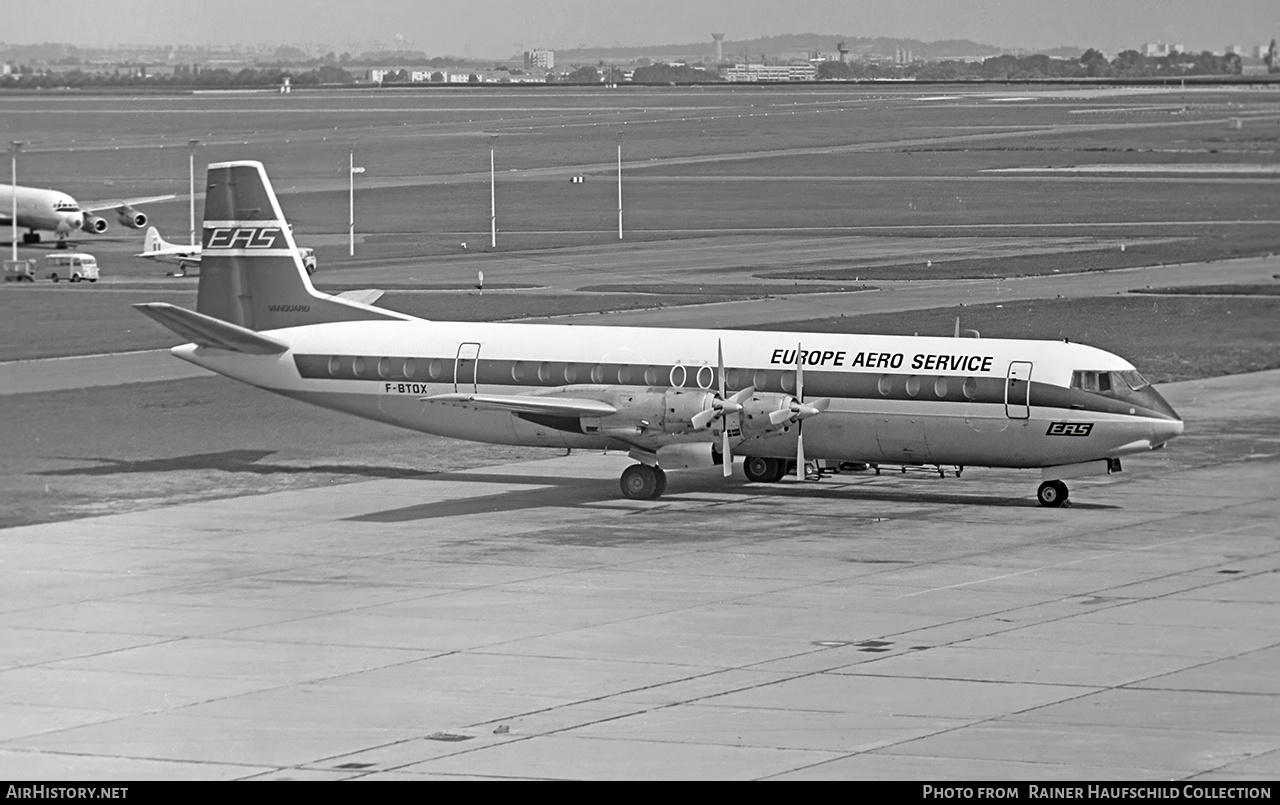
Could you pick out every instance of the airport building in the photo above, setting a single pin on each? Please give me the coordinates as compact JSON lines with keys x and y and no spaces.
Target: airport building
{"x":540,"y":59}
{"x":771,"y":72}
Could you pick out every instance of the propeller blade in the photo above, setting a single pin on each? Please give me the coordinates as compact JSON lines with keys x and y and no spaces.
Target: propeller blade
{"x":799,"y":375}
{"x":703,"y":418}
{"x":799,"y":452}
{"x":720,"y":366}
{"x":780,"y":416}
{"x":743,"y":396}
{"x":726,"y":457}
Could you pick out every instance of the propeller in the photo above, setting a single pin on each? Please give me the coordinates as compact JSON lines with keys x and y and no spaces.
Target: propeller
{"x":797,"y":411}
{"x":722,"y":406}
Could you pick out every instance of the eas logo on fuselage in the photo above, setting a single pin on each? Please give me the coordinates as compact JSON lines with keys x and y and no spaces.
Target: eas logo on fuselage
{"x":1069,"y":429}
{"x":238,"y":237}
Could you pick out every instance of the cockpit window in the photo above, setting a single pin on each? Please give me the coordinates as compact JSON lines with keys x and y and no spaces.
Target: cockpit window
{"x":1134,"y":380}
{"x":65,"y":206}
{"x":1091,"y":381}
{"x":1108,"y":382}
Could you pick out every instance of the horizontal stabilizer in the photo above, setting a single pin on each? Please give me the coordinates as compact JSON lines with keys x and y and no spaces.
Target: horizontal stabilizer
{"x":365,"y":297}
{"x":206,"y":331}
{"x":556,"y":406}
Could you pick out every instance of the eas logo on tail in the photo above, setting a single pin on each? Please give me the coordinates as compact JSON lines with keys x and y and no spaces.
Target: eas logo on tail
{"x":241,"y":237}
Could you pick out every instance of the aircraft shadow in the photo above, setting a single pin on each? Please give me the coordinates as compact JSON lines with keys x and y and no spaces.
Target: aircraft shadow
{"x":229,"y":461}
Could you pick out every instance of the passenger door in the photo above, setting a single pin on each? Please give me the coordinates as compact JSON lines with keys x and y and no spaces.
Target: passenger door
{"x":464,"y":368}
{"x":1017,"y":391}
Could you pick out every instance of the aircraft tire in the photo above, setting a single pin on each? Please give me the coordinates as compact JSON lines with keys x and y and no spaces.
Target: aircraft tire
{"x":53,"y":277}
{"x":1052,"y":494}
{"x":760,"y":469}
{"x":642,"y":482}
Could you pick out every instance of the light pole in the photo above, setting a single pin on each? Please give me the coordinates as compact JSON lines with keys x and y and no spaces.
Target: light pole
{"x":619,"y":136}
{"x":352,"y":170}
{"x":14,"y":148}
{"x":493,"y":199}
{"x":192,"y":145}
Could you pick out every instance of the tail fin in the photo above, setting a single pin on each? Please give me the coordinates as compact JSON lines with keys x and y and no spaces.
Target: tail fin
{"x":153,"y":242}
{"x":250,"y":271}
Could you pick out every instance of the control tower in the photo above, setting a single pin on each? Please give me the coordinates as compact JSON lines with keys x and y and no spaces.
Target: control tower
{"x":719,"y":40}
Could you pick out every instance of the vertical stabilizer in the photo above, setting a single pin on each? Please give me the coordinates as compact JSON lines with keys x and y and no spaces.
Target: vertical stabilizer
{"x":250,"y":271}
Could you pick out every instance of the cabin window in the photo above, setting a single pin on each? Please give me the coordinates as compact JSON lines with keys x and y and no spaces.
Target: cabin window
{"x":913,"y":385}
{"x":761,"y":379}
{"x":885,"y":386}
{"x":571,"y":373}
{"x":435,"y":368}
{"x":544,"y":373}
{"x":517,"y":371}
{"x":335,"y":366}
{"x":678,"y":376}
{"x":970,"y":388}
{"x":384,"y":367}
{"x":940,"y":387}
{"x":410,"y":368}
{"x":651,"y":376}
{"x":597,"y":374}
{"x":357,"y":366}
{"x":624,"y":374}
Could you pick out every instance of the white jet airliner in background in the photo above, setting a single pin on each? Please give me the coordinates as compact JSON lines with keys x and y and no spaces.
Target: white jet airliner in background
{"x":664,"y":395}
{"x":54,"y":211}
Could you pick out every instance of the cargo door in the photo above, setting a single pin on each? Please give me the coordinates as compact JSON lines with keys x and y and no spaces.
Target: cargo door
{"x":464,"y":368}
{"x":1017,"y":391}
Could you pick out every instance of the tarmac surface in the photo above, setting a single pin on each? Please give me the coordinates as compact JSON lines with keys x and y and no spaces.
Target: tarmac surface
{"x":525,"y":621}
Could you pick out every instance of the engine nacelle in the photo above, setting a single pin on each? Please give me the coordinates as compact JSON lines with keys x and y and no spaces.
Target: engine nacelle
{"x":755,"y":412}
{"x":93,"y":223}
{"x":131,"y":218}
{"x":669,"y":411}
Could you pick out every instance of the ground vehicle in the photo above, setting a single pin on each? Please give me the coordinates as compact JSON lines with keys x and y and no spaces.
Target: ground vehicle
{"x":74,"y":266}
{"x":19,"y":270}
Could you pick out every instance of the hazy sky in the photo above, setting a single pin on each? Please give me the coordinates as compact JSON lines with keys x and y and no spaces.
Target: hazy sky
{"x":497,"y":28}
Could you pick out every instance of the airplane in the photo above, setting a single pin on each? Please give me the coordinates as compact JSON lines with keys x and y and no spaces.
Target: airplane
{"x":777,"y":399}
{"x":52,"y":210}
{"x":155,"y":247}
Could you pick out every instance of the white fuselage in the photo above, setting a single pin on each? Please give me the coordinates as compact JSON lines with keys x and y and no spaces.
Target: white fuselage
{"x":41,"y":209}
{"x":894,"y":399}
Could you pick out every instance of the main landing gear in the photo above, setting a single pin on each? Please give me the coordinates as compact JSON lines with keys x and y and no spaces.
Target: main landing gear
{"x":643,"y":482}
{"x":765,"y":470}
{"x":1052,"y":494}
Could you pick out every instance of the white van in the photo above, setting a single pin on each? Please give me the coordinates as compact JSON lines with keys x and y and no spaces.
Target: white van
{"x":74,"y":266}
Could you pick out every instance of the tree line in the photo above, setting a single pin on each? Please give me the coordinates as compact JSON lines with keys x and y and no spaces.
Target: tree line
{"x":1090,"y":64}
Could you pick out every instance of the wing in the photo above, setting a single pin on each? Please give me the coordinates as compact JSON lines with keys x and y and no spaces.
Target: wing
{"x":99,"y":206}
{"x":555,"y":406}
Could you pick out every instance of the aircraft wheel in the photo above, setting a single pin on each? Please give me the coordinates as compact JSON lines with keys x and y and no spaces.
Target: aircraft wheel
{"x":1052,"y":494}
{"x":760,"y":469}
{"x":53,"y":277}
{"x":642,"y":482}
{"x":75,"y":277}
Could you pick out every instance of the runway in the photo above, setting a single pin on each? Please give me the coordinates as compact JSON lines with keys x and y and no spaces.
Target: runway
{"x":524,"y":621}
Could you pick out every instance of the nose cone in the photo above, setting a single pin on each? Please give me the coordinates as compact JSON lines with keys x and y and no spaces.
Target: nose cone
{"x":1168,"y":425}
